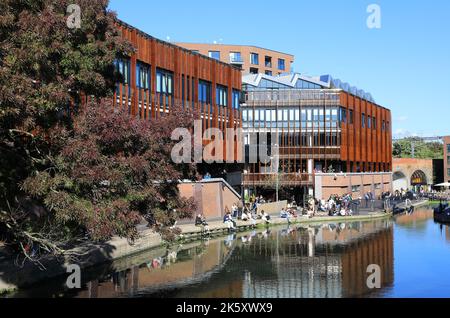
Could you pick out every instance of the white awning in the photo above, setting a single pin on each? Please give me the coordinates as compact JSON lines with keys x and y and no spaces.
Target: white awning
{"x":445,"y":184}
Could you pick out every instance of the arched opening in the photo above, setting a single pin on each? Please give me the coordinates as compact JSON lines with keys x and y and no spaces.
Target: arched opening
{"x":400,"y":181}
{"x":419,"y":178}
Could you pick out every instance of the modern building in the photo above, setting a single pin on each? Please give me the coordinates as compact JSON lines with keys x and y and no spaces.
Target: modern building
{"x":161,"y":75}
{"x":251,"y":59}
{"x":332,"y":138}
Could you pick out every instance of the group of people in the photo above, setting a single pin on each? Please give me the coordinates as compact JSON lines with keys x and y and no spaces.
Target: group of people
{"x":337,"y":205}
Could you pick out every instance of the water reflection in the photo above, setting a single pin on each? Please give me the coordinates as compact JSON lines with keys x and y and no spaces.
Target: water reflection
{"x":294,"y":262}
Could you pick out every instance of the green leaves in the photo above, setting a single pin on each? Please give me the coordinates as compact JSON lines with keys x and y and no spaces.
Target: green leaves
{"x":422,"y":150}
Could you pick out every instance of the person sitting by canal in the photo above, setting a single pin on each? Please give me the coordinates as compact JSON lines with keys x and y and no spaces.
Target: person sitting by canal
{"x":285,"y":215}
{"x":265,"y":217}
{"x":293,"y":213}
{"x":228,"y":220}
{"x":201,"y":222}
{"x":248,"y":217}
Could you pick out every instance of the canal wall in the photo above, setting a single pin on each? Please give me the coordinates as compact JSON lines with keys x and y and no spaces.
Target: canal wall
{"x":13,"y":276}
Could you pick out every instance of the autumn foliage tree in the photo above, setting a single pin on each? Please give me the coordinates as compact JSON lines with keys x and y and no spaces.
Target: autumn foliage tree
{"x":112,"y":171}
{"x":65,"y":175}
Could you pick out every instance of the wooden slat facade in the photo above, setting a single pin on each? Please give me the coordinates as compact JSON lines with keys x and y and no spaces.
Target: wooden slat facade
{"x":188,"y":69}
{"x":370,"y":148}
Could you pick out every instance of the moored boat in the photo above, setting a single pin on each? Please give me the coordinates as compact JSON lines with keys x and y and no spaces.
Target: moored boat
{"x":442,"y":213}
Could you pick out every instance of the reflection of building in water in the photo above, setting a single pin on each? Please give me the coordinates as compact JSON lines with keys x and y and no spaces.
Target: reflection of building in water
{"x":418,"y":216}
{"x":193,"y":265}
{"x":323,"y":261}
{"x":334,"y":266}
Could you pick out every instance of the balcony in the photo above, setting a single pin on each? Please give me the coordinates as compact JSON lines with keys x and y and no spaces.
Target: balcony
{"x":236,"y":61}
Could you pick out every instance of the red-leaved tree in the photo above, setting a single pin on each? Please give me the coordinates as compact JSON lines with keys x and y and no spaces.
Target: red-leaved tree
{"x":109,"y":173}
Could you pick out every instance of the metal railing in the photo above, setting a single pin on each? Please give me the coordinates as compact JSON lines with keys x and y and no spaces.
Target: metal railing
{"x":283,"y":179}
{"x":294,"y":95}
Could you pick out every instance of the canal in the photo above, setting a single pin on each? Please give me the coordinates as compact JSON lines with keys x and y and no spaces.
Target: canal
{"x":331,"y":260}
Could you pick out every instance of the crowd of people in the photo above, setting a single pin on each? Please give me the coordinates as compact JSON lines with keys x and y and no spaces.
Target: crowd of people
{"x":337,"y":205}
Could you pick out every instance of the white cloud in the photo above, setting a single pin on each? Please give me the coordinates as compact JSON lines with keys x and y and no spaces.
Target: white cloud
{"x":403,"y":133}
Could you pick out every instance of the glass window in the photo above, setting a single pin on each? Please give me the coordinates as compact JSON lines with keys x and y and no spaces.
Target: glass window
{"x":143,"y":75}
{"x":363,"y":120}
{"x":369,"y":122}
{"x":164,"y":82}
{"x":123,"y":69}
{"x":350,"y":117}
{"x":316,"y":115}
{"x":204,"y":92}
{"x":281,"y":64}
{"x":256,"y":115}
{"x":236,"y":99}
{"x":374,"y":123}
{"x":303,"y":112}
{"x":254,"y":58}
{"x":235,"y":57}
{"x":334,"y":115}
{"x":268,"y":73}
{"x":327,"y":115}
{"x":322,"y":115}
{"x":448,"y":172}
{"x":244,"y":115}
{"x":343,"y":115}
{"x":285,"y":114}
{"x":262,"y":114}
{"x":214,"y":55}
{"x":268,"y":117}
{"x":280,"y":115}
{"x":221,"y":95}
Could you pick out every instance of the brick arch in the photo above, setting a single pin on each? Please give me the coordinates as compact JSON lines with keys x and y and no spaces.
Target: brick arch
{"x":412,"y":169}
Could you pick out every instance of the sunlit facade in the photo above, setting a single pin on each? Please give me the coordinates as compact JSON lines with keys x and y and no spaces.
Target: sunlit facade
{"x":319,"y":125}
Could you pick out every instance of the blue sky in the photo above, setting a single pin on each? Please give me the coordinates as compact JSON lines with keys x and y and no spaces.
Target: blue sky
{"x":405,"y":64}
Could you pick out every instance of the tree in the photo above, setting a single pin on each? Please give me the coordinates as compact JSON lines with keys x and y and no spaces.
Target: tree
{"x":422,"y":149}
{"x":106,"y":174}
{"x":44,"y":65}
{"x":66,"y":176}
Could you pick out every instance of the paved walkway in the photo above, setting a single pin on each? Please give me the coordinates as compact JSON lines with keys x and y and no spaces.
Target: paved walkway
{"x":218,"y":227}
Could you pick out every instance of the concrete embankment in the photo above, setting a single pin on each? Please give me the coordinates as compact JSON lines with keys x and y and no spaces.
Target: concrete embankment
{"x":13,"y":276}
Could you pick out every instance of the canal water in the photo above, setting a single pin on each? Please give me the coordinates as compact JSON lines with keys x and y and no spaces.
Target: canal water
{"x":412,"y":251}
